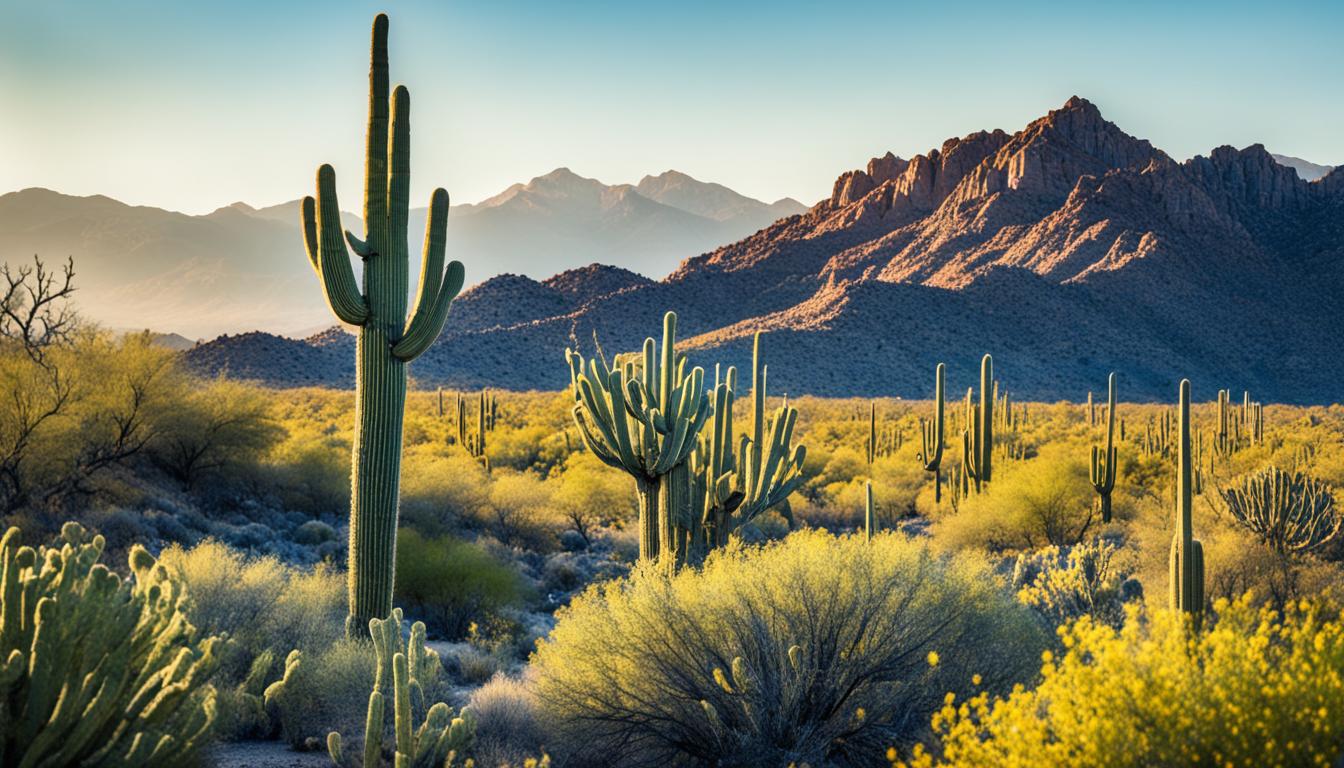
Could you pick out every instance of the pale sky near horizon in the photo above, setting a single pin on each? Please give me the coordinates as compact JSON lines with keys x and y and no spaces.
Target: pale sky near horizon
{"x":191,"y":106}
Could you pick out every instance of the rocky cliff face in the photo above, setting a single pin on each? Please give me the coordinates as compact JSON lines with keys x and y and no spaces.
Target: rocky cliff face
{"x":1067,"y":249}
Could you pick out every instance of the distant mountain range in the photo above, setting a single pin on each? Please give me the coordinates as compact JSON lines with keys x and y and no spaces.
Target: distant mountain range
{"x":242,"y":268}
{"x":1068,"y":249}
{"x":1308,"y":170}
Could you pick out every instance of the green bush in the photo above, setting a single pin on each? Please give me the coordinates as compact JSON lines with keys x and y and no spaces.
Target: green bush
{"x":812,"y":649}
{"x":323,"y":691}
{"x":266,"y":609}
{"x":449,"y":583}
{"x":1043,"y":501}
{"x":96,"y":670}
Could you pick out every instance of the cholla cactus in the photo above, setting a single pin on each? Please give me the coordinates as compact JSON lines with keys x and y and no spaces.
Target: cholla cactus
{"x":404,"y":671}
{"x":95,"y":670}
{"x":645,"y":422}
{"x":1292,"y":513}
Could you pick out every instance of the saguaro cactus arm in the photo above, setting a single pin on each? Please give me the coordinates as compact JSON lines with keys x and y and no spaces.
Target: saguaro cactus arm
{"x":438,"y":287}
{"x":326,"y":251}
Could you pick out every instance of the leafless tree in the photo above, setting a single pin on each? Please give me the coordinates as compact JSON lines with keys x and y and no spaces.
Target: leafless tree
{"x":35,"y":306}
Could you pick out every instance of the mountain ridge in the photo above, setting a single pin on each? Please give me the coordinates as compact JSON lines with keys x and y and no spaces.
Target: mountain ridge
{"x":1068,"y":249}
{"x":241,"y":268}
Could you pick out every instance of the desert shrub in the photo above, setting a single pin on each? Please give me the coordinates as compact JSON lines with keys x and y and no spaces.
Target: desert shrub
{"x":1064,"y":584}
{"x":314,"y":532}
{"x":98,"y":670}
{"x":259,"y":602}
{"x":591,"y":494}
{"x":215,"y":425}
{"x":812,"y":649}
{"x":449,"y":583}
{"x":1256,"y":688}
{"x":323,"y":691}
{"x":507,"y":727}
{"x":1044,"y":501}
{"x":441,"y":491}
{"x":520,"y":510}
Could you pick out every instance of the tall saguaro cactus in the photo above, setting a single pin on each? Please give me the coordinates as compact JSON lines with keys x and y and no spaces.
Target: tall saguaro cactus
{"x":1187,"y":554}
{"x":931,"y":450}
{"x":387,"y":340}
{"x":1103,"y":460}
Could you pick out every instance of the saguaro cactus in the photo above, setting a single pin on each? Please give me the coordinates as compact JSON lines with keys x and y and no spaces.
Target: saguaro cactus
{"x":931,"y":450}
{"x":644,"y":422}
{"x":767,"y":466}
{"x":872,"y":432}
{"x":978,"y":438}
{"x":1187,"y":554}
{"x":1103,"y":460}
{"x":869,"y":518}
{"x":387,"y":341}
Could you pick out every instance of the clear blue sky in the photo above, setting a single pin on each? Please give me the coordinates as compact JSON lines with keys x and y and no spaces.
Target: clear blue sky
{"x":194,"y":105}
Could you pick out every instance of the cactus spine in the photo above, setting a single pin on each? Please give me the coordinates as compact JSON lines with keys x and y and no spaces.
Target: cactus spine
{"x":931,"y":432}
{"x":404,"y":671}
{"x":645,"y":423}
{"x":387,"y":340}
{"x":1187,"y":554}
{"x":1103,"y":460}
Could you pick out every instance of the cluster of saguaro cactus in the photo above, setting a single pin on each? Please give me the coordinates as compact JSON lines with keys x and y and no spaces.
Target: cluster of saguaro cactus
{"x":645,"y":421}
{"x":1187,"y":553}
{"x":1104,"y":459}
{"x":1293,"y":513}
{"x":931,"y":434}
{"x":387,"y":340}
{"x":977,"y":440}
{"x":883,"y":439}
{"x":1157,"y":436}
{"x":475,"y":442}
{"x":405,"y":670}
{"x":731,"y":488}
{"x":94,"y":669}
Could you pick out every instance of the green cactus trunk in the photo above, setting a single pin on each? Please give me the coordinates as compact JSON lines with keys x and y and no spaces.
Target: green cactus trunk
{"x":386,"y":340}
{"x":1187,"y":553}
{"x":1103,"y":460}
{"x":931,"y":449}
{"x":869,"y":519}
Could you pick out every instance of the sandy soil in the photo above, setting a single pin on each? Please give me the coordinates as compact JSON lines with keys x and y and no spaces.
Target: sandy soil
{"x":265,"y":754}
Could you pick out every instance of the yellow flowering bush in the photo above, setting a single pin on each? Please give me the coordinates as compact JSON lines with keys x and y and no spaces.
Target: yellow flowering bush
{"x":1255,"y":689}
{"x":815,"y":649}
